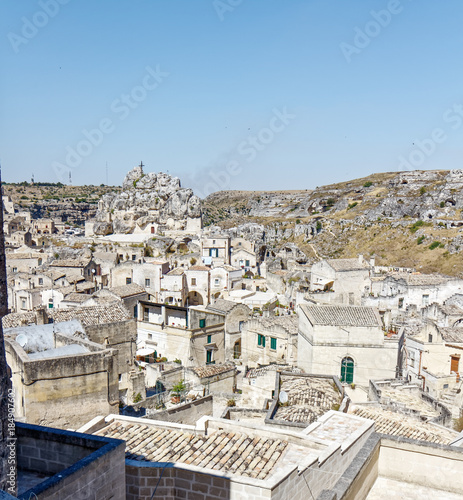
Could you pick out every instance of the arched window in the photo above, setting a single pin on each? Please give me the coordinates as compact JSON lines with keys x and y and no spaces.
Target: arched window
{"x":347,"y":370}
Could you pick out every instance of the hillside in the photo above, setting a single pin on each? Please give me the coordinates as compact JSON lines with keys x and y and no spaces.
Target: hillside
{"x":411,"y":219}
{"x":408,"y":219}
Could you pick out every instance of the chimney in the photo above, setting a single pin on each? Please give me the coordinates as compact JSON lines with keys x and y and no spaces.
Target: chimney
{"x":41,"y":316}
{"x":360,"y":259}
{"x":372,"y":261}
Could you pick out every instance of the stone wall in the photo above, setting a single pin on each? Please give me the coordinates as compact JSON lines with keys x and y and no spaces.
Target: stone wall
{"x":63,"y":392}
{"x":82,"y":467}
{"x":187,"y":413}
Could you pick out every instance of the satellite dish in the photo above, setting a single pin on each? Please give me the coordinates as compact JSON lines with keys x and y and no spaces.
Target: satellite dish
{"x":283,"y":397}
{"x":21,"y":339}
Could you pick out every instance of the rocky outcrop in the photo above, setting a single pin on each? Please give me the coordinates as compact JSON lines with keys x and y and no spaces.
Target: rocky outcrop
{"x":148,"y":200}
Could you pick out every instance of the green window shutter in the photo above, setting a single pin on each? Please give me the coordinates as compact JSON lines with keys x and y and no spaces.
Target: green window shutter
{"x":273,"y":343}
{"x":202,"y":323}
{"x":209,"y":339}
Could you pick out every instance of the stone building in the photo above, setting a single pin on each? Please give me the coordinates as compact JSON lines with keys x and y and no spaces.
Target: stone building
{"x":235,"y":317}
{"x":215,"y":250}
{"x":340,"y":281}
{"x":192,"y":334}
{"x":270,"y":340}
{"x":198,"y":285}
{"x":57,"y":369}
{"x":346,"y":341}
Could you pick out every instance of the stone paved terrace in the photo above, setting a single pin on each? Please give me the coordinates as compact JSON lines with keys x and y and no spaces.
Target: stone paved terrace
{"x":386,"y":488}
{"x":409,"y":396}
{"x":398,"y":424}
{"x":308,"y":398}
{"x":235,"y":453}
{"x":334,"y":427}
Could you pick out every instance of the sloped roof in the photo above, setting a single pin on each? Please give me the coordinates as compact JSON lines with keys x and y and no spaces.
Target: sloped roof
{"x":341,"y":265}
{"x":452,"y":334}
{"x":233,"y":453}
{"x":289,"y":323}
{"x":308,"y":398}
{"x":127,"y":290}
{"x":70,"y":262}
{"x":417,"y":279}
{"x":178,"y":271}
{"x":198,"y":268}
{"x":342,"y":315}
{"x":222,"y":305}
{"x":93,"y":315}
{"x":211,"y":370}
{"x":399,"y":424}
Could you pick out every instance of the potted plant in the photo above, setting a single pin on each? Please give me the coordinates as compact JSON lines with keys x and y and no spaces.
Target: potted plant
{"x":177,"y":391}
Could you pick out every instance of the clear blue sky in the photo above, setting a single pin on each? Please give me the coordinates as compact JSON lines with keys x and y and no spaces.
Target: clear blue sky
{"x":226,"y":70}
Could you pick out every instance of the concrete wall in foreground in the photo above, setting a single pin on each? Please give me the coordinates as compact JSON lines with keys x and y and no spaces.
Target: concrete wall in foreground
{"x":426,"y":464}
{"x":83,"y":467}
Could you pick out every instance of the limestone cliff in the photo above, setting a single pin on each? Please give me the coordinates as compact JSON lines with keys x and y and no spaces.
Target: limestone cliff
{"x":148,"y":201}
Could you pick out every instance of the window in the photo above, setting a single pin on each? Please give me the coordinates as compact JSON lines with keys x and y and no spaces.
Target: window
{"x":213,"y":242}
{"x":40,"y":281}
{"x":401,"y":303}
{"x":135,"y":311}
{"x":237,"y":350}
{"x":240,"y":326}
{"x":209,"y":339}
{"x":429,"y":338}
{"x":247,"y":263}
{"x":128,"y":281}
{"x":209,"y":358}
{"x":150,"y":336}
{"x":202,"y":323}
{"x":216,"y":281}
{"x":146,"y":314}
{"x":213,"y":252}
{"x":50,"y":304}
{"x":425,"y":300}
{"x":273,"y":343}
{"x":147,"y":282}
{"x":193,"y":281}
{"x":15,"y":269}
{"x":347,"y":370}
{"x":23,"y":303}
{"x":261,"y":340}
{"x":134,"y":257}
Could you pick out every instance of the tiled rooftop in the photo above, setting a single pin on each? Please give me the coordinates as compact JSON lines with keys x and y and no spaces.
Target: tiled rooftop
{"x":70,"y":263}
{"x":13,"y":320}
{"x":417,"y":279}
{"x":222,"y":305}
{"x":178,"y":271}
{"x":211,"y":370}
{"x":198,"y":268}
{"x":342,"y":315}
{"x":308,"y":398}
{"x":399,"y":424}
{"x":347,"y":264}
{"x":452,"y":334}
{"x":77,"y":297}
{"x":93,"y":315}
{"x":289,"y":323}
{"x":127,"y":290}
{"x":233,"y":453}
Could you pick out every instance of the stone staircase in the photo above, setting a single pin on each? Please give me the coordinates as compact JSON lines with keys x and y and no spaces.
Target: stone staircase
{"x":450,"y":400}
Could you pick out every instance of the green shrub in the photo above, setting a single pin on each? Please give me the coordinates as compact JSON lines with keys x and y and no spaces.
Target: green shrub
{"x":368,"y":184}
{"x":414,"y":227}
{"x":136,"y":398}
{"x":434,"y":245}
{"x":422,"y":190}
{"x":352,"y":205}
{"x":420,"y":240}
{"x":442,"y":204}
